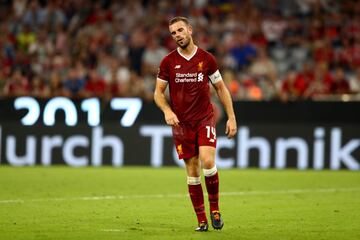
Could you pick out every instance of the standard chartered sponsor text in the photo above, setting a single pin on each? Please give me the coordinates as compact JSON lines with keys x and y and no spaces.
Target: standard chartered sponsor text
{"x":186,"y":77}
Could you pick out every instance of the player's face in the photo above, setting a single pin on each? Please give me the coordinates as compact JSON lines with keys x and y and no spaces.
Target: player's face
{"x":181,"y":33}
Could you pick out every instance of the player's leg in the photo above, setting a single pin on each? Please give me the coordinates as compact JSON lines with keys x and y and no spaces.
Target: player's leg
{"x":207,"y":157}
{"x":207,"y":149}
{"x":186,"y":146}
{"x":193,"y":169}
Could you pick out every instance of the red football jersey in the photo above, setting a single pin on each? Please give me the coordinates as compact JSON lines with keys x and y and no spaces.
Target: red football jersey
{"x":188,"y":80}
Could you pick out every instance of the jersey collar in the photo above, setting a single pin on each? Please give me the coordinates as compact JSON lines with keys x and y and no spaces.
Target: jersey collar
{"x":190,"y":57}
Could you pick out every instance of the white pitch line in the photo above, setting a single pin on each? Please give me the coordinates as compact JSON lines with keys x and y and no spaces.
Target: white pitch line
{"x":292,"y":191}
{"x":113,"y":230}
{"x":158,"y":196}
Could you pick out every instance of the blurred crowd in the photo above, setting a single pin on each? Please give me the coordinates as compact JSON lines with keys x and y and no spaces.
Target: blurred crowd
{"x":266,"y":49}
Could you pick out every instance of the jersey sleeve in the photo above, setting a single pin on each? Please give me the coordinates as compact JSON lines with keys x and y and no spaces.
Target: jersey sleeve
{"x":212,"y":64}
{"x":163,"y":73}
{"x":214,"y":73}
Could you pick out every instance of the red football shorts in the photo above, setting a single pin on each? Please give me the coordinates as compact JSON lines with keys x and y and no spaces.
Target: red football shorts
{"x":189,"y":136}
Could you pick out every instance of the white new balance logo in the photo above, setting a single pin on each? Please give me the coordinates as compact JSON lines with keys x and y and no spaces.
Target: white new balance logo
{"x":177,"y":66}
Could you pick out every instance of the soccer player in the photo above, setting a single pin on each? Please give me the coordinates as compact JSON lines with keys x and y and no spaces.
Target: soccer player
{"x":188,"y":70}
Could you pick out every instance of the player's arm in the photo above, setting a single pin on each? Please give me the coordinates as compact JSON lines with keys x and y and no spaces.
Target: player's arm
{"x":225,"y":98}
{"x":162,"y":103}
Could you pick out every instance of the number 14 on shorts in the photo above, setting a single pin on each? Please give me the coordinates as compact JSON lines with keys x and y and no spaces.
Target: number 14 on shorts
{"x":210,"y":133}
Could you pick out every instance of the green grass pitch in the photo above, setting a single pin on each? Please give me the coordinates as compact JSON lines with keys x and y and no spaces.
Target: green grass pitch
{"x":146,"y":203}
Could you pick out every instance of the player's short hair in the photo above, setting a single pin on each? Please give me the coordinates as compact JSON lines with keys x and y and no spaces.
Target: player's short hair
{"x":179,"y":19}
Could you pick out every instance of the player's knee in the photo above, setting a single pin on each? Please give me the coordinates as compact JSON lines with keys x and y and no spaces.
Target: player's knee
{"x":207,"y":157}
{"x":208,"y":162}
{"x":208,"y":165}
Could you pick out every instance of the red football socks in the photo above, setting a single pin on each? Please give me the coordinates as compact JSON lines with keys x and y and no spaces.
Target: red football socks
{"x":197,"y":199}
{"x":212,"y":186}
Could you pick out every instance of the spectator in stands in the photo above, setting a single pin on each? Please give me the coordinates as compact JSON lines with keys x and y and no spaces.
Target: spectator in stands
{"x":263,"y":67}
{"x":25,"y":38}
{"x":243,"y":52}
{"x":118,"y":78}
{"x":74,"y":84}
{"x":321,"y":84}
{"x":113,"y":88}
{"x":293,"y":86}
{"x":136,"y":86}
{"x":293,"y":35}
{"x":34,"y":16}
{"x":104,"y":65}
{"x":2,"y":83}
{"x":61,"y":42}
{"x":152,"y":57}
{"x":137,"y":49}
{"x":99,"y":14}
{"x":355,"y":82}
{"x":5,"y":67}
{"x":323,"y":51}
{"x":307,"y":72}
{"x":42,"y":48}
{"x":273,"y":27}
{"x":340,"y":84}
{"x":355,"y":53}
{"x":120,"y":48}
{"x":251,"y":91}
{"x":19,"y":7}
{"x":343,"y":54}
{"x":56,"y":85}
{"x":95,"y":85}
{"x":16,"y":85}
{"x":38,"y":87}
{"x":81,"y":70}
{"x":53,"y":16}
{"x":264,"y":72}
{"x":60,"y":62}
{"x":315,"y":29}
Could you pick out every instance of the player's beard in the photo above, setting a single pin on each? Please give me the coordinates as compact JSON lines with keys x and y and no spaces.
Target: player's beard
{"x":185,"y":43}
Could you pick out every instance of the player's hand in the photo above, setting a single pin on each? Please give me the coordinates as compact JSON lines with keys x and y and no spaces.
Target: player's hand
{"x":231,"y":127}
{"x":171,"y":118}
